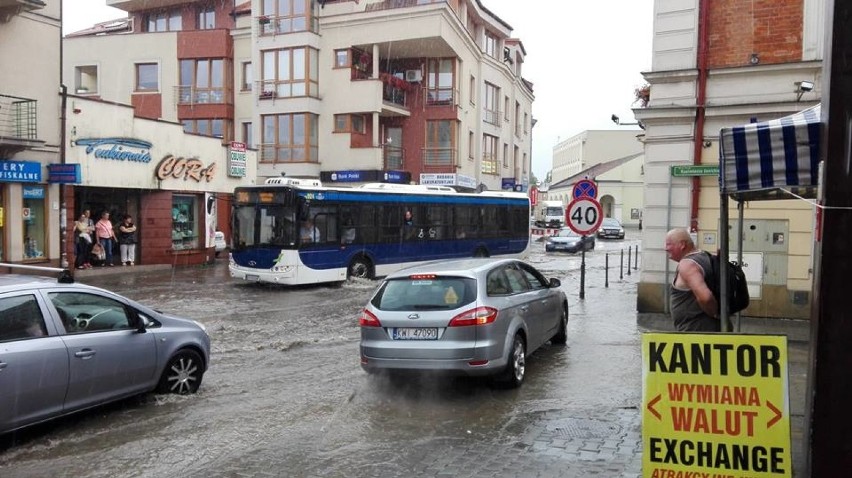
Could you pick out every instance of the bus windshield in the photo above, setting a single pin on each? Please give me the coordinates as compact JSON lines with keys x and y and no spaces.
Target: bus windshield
{"x":264,"y":225}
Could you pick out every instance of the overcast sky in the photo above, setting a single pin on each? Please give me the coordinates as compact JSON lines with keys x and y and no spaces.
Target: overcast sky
{"x":584,"y":58}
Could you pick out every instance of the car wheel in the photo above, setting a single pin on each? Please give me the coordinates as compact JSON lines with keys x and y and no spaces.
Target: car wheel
{"x":182,"y":374}
{"x":513,"y":375}
{"x":360,"y":268}
{"x":561,"y":336}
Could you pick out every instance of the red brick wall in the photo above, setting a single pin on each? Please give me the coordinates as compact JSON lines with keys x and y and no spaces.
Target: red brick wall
{"x":738,"y":28}
{"x":147,"y":105}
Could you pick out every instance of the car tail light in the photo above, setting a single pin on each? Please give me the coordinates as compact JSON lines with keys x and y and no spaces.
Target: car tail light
{"x":422,"y":276}
{"x":477,"y":316}
{"x":367,"y":319}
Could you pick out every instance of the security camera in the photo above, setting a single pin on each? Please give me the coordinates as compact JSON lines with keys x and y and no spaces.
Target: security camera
{"x":806,"y":85}
{"x":614,"y":119}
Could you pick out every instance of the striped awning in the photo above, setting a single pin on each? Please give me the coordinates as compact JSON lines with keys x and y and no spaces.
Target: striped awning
{"x":758,"y":159}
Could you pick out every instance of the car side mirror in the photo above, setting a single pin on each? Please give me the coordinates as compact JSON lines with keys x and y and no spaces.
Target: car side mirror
{"x":554,"y":283}
{"x":141,"y":324}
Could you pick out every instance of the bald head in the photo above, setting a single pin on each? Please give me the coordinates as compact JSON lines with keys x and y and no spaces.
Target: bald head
{"x":678,"y":244}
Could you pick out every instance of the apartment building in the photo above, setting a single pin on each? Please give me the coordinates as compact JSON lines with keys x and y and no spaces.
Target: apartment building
{"x":715,"y":65}
{"x":29,"y":130}
{"x":407,"y":91}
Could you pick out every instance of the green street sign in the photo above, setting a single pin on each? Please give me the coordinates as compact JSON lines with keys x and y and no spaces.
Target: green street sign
{"x":695,"y":170}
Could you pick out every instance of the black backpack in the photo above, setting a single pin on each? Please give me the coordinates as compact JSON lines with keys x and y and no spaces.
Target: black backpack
{"x":737,"y":286}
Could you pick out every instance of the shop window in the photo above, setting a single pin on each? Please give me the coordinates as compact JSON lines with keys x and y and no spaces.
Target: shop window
{"x":184,"y":223}
{"x":33,"y":215}
{"x":2,"y":222}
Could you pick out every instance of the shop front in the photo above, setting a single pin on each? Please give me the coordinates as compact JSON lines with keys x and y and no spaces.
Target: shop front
{"x":175,"y":187}
{"x":25,"y":217}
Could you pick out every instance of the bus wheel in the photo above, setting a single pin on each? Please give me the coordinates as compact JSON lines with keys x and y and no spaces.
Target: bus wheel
{"x":480,"y":252}
{"x":360,"y":268}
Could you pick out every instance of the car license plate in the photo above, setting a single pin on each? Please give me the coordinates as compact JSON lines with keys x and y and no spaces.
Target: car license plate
{"x":411,"y":333}
{"x":253,"y":277}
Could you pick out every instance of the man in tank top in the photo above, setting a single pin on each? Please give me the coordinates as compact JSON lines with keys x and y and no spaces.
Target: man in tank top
{"x":692,"y":305}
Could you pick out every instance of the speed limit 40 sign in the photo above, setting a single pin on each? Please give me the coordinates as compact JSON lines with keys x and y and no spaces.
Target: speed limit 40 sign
{"x":584,"y":215}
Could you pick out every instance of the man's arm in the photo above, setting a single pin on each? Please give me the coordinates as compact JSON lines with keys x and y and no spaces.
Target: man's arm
{"x":694,"y":278}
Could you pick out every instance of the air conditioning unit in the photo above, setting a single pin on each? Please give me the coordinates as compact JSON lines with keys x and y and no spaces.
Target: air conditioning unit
{"x":412,"y":76}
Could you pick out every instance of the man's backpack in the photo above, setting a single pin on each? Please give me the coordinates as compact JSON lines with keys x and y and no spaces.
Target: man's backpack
{"x":738,"y":298}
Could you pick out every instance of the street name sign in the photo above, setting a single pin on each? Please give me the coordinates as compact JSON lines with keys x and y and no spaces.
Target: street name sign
{"x":695,"y":170}
{"x":584,"y":215}
{"x":715,"y":405}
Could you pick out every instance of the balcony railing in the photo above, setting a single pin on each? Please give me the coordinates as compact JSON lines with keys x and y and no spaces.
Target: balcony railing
{"x":18,"y":117}
{"x":394,"y":157}
{"x":277,"y":153}
{"x":192,"y":95}
{"x":269,"y":25}
{"x":439,"y":157}
{"x":492,"y":117}
{"x":390,"y":4}
{"x":441,"y":96}
{"x":269,"y":89}
{"x":393,"y":95}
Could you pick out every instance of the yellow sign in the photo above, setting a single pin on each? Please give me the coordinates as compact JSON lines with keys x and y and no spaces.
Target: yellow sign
{"x":715,"y":405}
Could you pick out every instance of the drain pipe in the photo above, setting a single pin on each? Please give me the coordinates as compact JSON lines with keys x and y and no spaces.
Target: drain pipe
{"x":700,"y":99}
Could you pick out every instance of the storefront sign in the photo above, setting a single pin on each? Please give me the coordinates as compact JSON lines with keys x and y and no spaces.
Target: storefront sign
{"x":448,"y":179}
{"x":237,"y":160}
{"x":348,"y":176}
{"x":63,"y":173}
{"x":466,"y":181}
{"x":20,"y":172}
{"x":399,"y":177}
{"x":33,"y":192}
{"x":365,"y":175}
{"x":117,"y":149}
{"x":182,"y":168}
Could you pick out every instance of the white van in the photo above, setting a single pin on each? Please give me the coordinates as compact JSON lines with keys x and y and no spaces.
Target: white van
{"x":550,"y":214}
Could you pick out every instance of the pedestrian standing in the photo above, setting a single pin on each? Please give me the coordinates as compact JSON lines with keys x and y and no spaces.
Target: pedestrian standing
{"x":693,"y":307}
{"x":127,"y":240}
{"x":82,"y":242}
{"x":105,"y":235}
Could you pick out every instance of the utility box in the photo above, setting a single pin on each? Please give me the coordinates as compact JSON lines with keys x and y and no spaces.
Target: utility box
{"x":765,"y":248}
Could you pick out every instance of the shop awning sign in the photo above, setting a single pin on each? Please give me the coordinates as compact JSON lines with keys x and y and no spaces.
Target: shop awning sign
{"x":237,"y":160}
{"x":715,"y":405}
{"x":20,"y":171}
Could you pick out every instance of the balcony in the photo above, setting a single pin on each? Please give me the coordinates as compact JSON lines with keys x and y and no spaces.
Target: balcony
{"x":193,"y":95}
{"x":391,"y":4}
{"x":492,"y":117}
{"x":137,"y":5}
{"x":439,"y":159}
{"x":18,"y":124}
{"x":272,"y":89}
{"x":441,"y":96}
{"x":271,"y":25}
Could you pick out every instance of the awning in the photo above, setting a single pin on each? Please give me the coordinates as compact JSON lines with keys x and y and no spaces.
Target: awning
{"x":758,"y":160}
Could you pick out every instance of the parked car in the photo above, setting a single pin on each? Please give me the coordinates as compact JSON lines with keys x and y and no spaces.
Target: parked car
{"x":471,"y":317}
{"x":66,"y":347}
{"x":219,"y":242}
{"x":569,"y":241}
{"x":610,"y":227}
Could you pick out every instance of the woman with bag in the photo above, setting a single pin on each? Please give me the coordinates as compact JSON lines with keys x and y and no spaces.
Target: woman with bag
{"x":83,"y":242}
{"x":105,"y":235}
{"x":127,"y":240}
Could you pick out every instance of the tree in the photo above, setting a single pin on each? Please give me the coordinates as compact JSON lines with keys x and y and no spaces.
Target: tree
{"x":533,"y":179}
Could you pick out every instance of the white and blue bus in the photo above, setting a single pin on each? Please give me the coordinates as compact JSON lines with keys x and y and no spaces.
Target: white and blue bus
{"x":292,"y":231}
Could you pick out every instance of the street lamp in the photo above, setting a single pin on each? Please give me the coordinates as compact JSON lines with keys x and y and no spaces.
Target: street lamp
{"x":617,"y":121}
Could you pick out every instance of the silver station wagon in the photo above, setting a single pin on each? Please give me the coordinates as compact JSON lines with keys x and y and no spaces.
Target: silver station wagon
{"x":470,"y":316}
{"x":65,"y":347}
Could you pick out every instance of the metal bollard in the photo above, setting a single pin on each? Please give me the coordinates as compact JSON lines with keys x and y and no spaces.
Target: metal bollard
{"x":628,"y":260}
{"x":621,"y":267}
{"x":636,"y":258}
{"x":606,"y":270}
{"x":582,"y":273}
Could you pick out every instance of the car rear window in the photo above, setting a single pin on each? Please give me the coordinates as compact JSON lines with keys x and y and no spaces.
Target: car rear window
{"x":438,"y":293}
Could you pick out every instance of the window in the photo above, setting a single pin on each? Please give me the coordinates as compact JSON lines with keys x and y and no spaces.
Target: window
{"x":470,"y":145}
{"x":506,"y":108}
{"x":492,"y":104}
{"x":35,"y":218}
{"x":207,"y":18}
{"x":82,"y":312}
{"x":203,"y":81}
{"x":440,"y":143}
{"x":505,"y":155}
{"x":491,"y":45}
{"x":472,"y":90}
{"x":184,"y":223}
{"x":526,"y":118}
{"x":248,"y":77}
{"x":86,"y":80}
{"x":248,"y":134}
{"x":440,"y":82}
{"x":349,"y":124}
{"x":489,"y":154}
{"x":517,"y":119}
{"x":147,"y":77}
{"x":290,"y":72}
{"x":342,"y":58}
{"x":289,"y":138}
{"x":218,"y":128}
{"x":286,"y":16}
{"x":20,"y":318}
{"x":164,"y":21}
{"x":515,"y":157}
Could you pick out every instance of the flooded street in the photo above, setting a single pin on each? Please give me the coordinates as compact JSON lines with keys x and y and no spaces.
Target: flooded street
{"x":285,"y":394}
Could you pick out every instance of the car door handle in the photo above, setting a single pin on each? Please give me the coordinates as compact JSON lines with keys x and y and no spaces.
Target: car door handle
{"x":524,"y":308}
{"x":85,"y":353}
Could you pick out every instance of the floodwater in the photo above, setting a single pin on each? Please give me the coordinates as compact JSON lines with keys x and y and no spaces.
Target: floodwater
{"x":285,"y":394}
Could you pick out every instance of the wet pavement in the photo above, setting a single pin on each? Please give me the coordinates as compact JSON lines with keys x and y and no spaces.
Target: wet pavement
{"x":285,"y":395}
